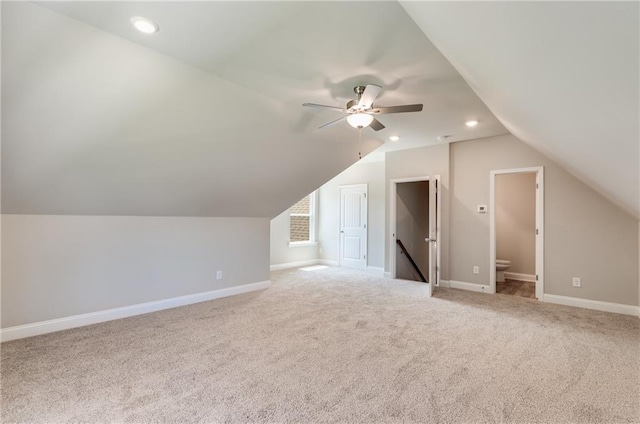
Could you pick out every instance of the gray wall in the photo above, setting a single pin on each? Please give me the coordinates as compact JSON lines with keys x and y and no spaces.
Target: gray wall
{"x":425,"y":161}
{"x":371,"y":174}
{"x":586,"y":235}
{"x":515,"y":196}
{"x":58,"y":266}
{"x":93,"y":124}
{"x":412,"y":227}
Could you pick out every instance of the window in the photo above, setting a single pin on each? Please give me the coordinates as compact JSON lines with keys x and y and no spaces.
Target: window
{"x":302,"y":221}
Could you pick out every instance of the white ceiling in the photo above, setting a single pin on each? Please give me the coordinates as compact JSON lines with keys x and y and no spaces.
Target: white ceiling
{"x":297,"y":52}
{"x":561,"y":76}
{"x":204,"y":118}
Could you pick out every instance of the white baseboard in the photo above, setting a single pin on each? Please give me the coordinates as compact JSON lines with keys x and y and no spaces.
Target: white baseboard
{"x":520,"y":277}
{"x":375,"y":270}
{"x":387,"y":274}
{"x":50,"y":326}
{"x":468,"y":286}
{"x":298,"y":264}
{"x":328,"y":262}
{"x":553,"y":298}
{"x":598,"y":305}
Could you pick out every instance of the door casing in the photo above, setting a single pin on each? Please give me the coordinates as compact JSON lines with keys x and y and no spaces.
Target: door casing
{"x":434,"y":227}
{"x":539,"y":171}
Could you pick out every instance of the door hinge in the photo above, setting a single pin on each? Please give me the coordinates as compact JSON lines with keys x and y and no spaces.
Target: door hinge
{"x":365,"y":256}
{"x":537,"y":186}
{"x":365,"y":226}
{"x":536,"y":231}
{"x":536,"y":277}
{"x":365,"y":195}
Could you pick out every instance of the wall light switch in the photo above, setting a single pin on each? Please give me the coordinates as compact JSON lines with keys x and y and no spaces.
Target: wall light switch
{"x":476,"y":270}
{"x":219,"y":275}
{"x":482,"y":208}
{"x":577,"y":282}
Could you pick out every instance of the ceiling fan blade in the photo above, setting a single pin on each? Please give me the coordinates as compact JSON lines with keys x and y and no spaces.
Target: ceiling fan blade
{"x":376,"y":125}
{"x":368,"y":96}
{"x":397,"y":109}
{"x":328,"y":124}
{"x":324,"y":106}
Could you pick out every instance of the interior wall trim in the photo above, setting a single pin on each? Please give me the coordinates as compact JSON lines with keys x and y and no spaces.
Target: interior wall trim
{"x":530,"y":278}
{"x":297,"y":264}
{"x":597,"y":305}
{"x":58,"y":324}
{"x":483,"y":288}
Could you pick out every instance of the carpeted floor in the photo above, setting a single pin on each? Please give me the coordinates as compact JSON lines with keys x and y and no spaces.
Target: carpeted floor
{"x":334,"y":345}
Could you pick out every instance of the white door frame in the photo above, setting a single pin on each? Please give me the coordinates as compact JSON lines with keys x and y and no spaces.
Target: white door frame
{"x":366,"y":224}
{"x":539,"y":171}
{"x":391,"y":246}
{"x":438,"y":197}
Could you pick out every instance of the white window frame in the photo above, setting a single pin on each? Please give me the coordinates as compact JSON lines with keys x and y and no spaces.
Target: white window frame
{"x":312,"y":223}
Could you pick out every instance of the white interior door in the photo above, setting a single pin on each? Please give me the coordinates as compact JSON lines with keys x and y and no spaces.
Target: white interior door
{"x":434,"y":233}
{"x":353,"y":226}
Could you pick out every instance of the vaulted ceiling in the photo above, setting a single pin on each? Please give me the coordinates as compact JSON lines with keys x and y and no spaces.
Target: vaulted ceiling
{"x":561,"y":76}
{"x":204,"y":118}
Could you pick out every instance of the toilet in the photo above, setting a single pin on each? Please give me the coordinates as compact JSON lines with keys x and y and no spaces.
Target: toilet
{"x":501,"y":266}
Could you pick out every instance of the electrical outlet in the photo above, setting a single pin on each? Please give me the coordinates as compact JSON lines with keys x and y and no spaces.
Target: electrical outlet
{"x":321,"y":250}
{"x":577,"y":282}
{"x":476,"y":270}
{"x":218,"y":275}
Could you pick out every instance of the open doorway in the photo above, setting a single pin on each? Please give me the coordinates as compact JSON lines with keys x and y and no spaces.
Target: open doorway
{"x":516,"y":266}
{"x":414,"y":218}
{"x":412,"y":228}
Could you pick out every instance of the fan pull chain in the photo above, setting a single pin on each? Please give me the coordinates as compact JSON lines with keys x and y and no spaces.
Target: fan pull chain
{"x":360,"y":143}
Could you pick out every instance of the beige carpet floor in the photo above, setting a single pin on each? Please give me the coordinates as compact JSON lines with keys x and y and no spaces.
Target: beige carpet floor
{"x":334,"y":345}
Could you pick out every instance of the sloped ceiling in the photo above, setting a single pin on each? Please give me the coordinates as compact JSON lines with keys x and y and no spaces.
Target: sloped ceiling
{"x":561,"y":76}
{"x":204,"y":118}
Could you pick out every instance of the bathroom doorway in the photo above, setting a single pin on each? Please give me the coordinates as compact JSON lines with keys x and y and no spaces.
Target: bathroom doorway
{"x":516,"y":232}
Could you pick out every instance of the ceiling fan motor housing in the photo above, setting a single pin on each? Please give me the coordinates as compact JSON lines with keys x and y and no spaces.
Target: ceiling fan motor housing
{"x":360,"y":111}
{"x":351,"y":105}
{"x":359,"y":89}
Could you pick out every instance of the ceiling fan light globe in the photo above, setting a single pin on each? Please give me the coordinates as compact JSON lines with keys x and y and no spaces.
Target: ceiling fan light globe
{"x":359,"y":120}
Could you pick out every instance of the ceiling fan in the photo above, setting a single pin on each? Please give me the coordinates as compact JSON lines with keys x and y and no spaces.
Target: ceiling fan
{"x":360,"y":112}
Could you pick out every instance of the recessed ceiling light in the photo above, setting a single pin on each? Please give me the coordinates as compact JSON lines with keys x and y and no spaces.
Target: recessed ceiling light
{"x":471,"y":123}
{"x":394,"y":138}
{"x":144,"y":25}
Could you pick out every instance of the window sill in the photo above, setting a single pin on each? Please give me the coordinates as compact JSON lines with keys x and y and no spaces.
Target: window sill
{"x":302,"y":243}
